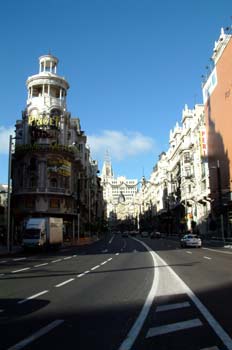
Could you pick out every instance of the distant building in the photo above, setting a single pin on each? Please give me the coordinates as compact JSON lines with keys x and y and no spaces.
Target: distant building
{"x":119,"y":193}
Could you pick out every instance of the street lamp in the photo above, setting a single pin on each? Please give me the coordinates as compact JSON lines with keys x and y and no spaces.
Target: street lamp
{"x":219,"y":186}
{"x":9,"y":243}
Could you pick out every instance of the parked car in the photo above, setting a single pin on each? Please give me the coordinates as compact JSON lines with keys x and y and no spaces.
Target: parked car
{"x":155,"y":234}
{"x":144,"y":234}
{"x":125,"y":234}
{"x":190,"y":240}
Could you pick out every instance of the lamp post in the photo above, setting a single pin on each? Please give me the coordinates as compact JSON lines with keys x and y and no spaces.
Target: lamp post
{"x":219,"y":188}
{"x":9,"y":243}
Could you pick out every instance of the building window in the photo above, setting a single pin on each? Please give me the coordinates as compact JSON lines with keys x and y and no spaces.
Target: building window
{"x":32,"y":182}
{"x":187,"y":157}
{"x":53,"y":182}
{"x":30,"y":203}
{"x":54,"y":203}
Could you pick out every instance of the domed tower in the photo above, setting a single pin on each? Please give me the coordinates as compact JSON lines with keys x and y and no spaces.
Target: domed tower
{"x":47,"y":155}
{"x":45,"y":112}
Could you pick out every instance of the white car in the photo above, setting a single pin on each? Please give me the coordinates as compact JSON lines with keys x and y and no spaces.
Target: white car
{"x":190,"y":240}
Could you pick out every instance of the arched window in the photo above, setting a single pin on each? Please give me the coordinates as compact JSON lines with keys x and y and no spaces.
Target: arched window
{"x":32,"y":182}
{"x":53,"y":182}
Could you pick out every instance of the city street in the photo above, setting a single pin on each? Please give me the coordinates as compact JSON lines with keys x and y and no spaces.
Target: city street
{"x":117,"y":294}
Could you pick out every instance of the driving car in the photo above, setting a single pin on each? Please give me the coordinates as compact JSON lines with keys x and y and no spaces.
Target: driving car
{"x":190,"y":240}
{"x":155,"y":234}
{"x":144,"y":234}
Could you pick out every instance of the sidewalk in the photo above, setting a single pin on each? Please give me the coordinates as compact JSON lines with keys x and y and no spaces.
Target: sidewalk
{"x":15,"y":249}
{"x":18,"y":248}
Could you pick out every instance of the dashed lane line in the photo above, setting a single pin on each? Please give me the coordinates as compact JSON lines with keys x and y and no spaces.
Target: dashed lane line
{"x":65,"y":282}
{"x":207,"y":257}
{"x":33,"y":297}
{"x":67,"y":258}
{"x":3,"y":262}
{"x":19,"y":259}
{"x":187,"y":251}
{"x":36,"y":335}
{"x":174,"y":327}
{"x":25,"y":269}
{"x":168,"y":307}
{"x":95,"y":267}
{"x":44,"y":264}
{"x":111,"y":240}
{"x":55,"y":261}
{"x":80,"y":275}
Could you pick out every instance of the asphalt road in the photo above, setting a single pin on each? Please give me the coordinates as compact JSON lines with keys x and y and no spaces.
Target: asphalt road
{"x":117,"y":294}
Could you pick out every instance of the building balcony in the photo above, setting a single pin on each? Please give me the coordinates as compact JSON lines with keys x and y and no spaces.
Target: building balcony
{"x":42,"y":191}
{"x":40,"y":101}
{"x":21,"y":150}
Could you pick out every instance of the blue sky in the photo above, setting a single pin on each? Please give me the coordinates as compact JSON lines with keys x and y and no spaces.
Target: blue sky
{"x":132,"y":65}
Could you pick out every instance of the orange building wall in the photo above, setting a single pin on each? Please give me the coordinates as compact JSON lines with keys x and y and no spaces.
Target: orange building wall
{"x":218,"y":111}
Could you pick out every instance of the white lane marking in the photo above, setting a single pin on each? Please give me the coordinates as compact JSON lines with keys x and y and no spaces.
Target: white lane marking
{"x":55,"y":261}
{"x":168,"y":307}
{"x":80,"y":275}
{"x":74,"y":256}
{"x":134,"y":331}
{"x":103,"y":263}
{"x":36,"y":335}
{"x":104,"y":251}
{"x":169,"y":328}
{"x":109,"y":259}
{"x":207,"y":257}
{"x":18,"y":259}
{"x":95,"y":267}
{"x":67,"y":257}
{"x":225,"y":338}
{"x":3,"y":262}
{"x":65,"y":282}
{"x":111,"y":240}
{"x":26,"y":268}
{"x":86,"y":272}
{"x":217,"y":251}
{"x":41,"y":265}
{"x":187,"y":251}
{"x":117,"y":253}
{"x":32,"y":297}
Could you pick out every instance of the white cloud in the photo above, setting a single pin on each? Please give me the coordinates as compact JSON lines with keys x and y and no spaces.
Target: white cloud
{"x":120,"y":145}
{"x":5,"y":133}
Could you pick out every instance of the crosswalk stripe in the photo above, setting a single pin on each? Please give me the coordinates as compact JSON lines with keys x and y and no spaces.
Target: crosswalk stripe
{"x":168,"y":307}
{"x":173,"y":327}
